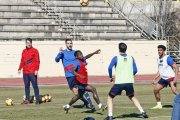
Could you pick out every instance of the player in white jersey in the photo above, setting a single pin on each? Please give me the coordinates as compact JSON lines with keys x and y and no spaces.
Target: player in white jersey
{"x":167,"y":72}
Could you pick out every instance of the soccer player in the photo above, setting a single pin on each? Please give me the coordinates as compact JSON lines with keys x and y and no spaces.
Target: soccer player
{"x":67,"y":57}
{"x":166,"y":67}
{"x":81,"y":74}
{"x":125,"y":67}
{"x":30,"y":64}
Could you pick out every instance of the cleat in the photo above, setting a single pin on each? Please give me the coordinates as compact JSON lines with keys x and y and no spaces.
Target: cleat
{"x":26,"y":102}
{"x":109,"y":118}
{"x":103,"y":107}
{"x":144,"y":115}
{"x":66,"y":109}
{"x":93,"y":110}
{"x":157,"y":107}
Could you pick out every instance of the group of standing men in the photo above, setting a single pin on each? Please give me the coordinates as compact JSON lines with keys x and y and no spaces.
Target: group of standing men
{"x":74,"y":64}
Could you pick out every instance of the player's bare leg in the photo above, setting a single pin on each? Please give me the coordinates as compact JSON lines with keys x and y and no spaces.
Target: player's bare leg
{"x":157,"y":89}
{"x":75,"y":91}
{"x":137,"y":104}
{"x":73,"y":100}
{"x":87,"y":101}
{"x":110,"y":108}
{"x":92,"y":89}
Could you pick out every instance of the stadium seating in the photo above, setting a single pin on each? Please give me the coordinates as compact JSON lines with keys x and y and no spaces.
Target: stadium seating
{"x":20,"y":19}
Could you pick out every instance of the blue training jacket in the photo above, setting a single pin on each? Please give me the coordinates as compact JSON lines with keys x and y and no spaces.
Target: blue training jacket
{"x":68,"y":58}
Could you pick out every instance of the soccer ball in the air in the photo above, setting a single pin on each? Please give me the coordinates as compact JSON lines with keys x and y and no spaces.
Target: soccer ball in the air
{"x":84,"y":3}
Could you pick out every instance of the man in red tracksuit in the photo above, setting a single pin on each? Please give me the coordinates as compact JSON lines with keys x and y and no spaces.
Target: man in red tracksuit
{"x":30,"y":64}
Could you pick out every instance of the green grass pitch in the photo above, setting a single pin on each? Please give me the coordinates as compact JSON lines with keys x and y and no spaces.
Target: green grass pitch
{"x":123,"y":107}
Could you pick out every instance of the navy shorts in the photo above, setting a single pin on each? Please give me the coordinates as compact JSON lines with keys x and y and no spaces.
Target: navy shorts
{"x":164,"y":82}
{"x":118,"y":88}
{"x":81,"y":88}
{"x":71,"y":82}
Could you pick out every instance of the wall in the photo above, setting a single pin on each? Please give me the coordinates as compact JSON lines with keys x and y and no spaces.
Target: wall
{"x":144,"y":52}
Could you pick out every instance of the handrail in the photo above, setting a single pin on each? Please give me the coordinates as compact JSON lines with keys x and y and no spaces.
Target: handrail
{"x":173,"y":49}
{"x":136,"y":17}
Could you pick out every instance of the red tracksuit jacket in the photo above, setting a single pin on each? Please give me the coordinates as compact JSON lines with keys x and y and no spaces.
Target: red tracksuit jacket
{"x":29,"y":61}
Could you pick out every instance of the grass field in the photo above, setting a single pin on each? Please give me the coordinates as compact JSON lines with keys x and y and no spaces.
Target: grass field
{"x":123,"y":108}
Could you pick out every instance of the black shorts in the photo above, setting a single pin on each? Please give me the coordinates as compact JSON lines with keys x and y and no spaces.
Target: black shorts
{"x":164,"y":82}
{"x":118,"y":88}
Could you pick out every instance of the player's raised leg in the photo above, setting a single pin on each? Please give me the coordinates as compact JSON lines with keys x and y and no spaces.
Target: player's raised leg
{"x":92,"y":89}
{"x":72,"y":86}
{"x":72,"y":101}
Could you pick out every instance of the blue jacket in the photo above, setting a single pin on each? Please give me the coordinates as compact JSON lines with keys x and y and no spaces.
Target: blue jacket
{"x":68,"y":58}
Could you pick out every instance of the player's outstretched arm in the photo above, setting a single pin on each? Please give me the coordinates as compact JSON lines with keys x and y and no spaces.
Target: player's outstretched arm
{"x":91,"y":54}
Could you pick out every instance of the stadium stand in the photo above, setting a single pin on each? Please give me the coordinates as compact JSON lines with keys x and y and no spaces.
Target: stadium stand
{"x":25,"y":18}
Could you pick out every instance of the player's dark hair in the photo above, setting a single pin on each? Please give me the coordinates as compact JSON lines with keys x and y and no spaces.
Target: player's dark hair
{"x":162,"y":46}
{"x":76,"y":52}
{"x":68,"y":40}
{"x":122,"y":47}
{"x":29,"y":39}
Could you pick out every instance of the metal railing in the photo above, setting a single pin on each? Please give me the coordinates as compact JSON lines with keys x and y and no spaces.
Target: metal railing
{"x":63,"y":20}
{"x":173,"y":48}
{"x":135,"y":16}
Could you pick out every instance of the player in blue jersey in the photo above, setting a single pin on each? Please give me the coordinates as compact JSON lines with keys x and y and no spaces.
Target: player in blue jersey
{"x":67,"y":57}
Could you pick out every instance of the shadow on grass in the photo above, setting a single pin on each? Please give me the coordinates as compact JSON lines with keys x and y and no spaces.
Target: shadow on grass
{"x":167,"y":106}
{"x":78,"y":106}
{"x":95,"y":112}
{"x":132,"y":115}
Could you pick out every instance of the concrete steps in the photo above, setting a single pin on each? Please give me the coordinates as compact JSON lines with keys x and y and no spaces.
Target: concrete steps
{"x":75,"y":3}
{"x":49,"y":21}
{"x":31,"y":14}
{"x":26,"y":20}
{"x":23,"y":18}
{"x":120,"y":34}
{"x":56,"y":8}
{"x":27,"y":2}
{"x":56,"y":27}
{"x":75,"y":14}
